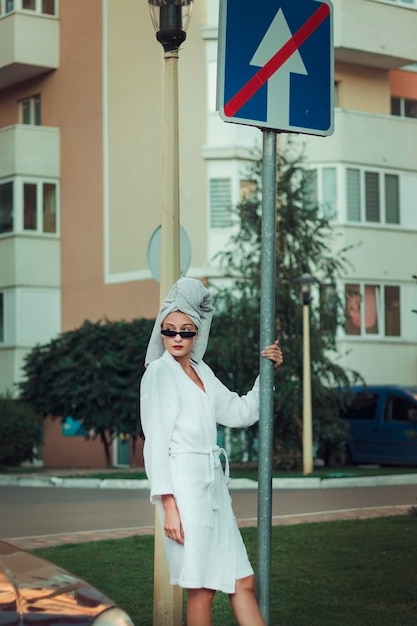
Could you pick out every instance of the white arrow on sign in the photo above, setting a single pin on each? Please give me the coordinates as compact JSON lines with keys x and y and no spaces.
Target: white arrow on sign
{"x":278,"y":98}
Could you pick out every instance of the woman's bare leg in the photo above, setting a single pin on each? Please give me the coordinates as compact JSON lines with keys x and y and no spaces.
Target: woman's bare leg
{"x":244,"y":604}
{"x":199,"y":607}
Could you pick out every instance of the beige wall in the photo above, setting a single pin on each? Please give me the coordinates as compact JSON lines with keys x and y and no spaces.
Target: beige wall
{"x":134,"y":70}
{"x":363,"y":88}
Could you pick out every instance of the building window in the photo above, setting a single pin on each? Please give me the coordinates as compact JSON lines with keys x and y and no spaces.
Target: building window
{"x":329,"y":194}
{"x":8,"y":6}
{"x":48,"y":7}
{"x":49,"y":224}
{"x":220,"y":202}
{"x":371,"y":196}
{"x":372,"y":310}
{"x":28,"y":206}
{"x":392,"y":311}
{"x":381,"y":196}
{"x":404,"y":107}
{"x":30,"y":110}
{"x":44,"y":7}
{"x":392,"y":199}
{"x":328,"y":307}
{"x":1,"y":317}
{"x":321,"y":190}
{"x":311,"y":189}
{"x":6,"y":207}
{"x":39,"y":207}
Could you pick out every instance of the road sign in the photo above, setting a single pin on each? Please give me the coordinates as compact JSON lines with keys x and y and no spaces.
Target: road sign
{"x":275,"y":64}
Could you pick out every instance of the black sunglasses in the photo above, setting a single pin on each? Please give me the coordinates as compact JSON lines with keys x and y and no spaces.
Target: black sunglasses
{"x":184,"y":334}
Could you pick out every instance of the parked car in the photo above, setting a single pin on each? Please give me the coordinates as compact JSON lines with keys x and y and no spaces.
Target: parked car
{"x":35,"y":591}
{"x":383,"y":424}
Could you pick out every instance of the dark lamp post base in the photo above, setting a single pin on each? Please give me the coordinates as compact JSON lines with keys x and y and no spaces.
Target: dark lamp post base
{"x":170,"y":40}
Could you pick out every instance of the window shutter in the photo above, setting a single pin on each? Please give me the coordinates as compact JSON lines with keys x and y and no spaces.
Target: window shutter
{"x":220,"y":202}
{"x":372,"y":196}
{"x":353,"y":195}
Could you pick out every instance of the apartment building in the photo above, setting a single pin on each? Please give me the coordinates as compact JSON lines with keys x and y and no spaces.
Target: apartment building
{"x":81,"y":165}
{"x":365,"y":178}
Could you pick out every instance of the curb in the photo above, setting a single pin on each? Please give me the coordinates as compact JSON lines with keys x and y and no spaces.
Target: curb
{"x":235,"y":483}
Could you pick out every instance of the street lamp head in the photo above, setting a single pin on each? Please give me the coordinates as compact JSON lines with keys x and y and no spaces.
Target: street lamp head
{"x":170,"y":19}
{"x":306,"y":281}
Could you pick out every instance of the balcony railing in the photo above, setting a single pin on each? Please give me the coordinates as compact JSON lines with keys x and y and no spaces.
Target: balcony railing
{"x":30,"y":151}
{"x":375,"y":33}
{"x":369,"y":139}
{"x":29,"y":46}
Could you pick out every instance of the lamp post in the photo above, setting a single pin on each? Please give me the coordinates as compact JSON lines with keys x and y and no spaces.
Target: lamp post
{"x":170,"y":19}
{"x":306,"y":281}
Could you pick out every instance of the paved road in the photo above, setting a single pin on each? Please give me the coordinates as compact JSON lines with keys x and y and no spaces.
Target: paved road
{"x":33,"y":517}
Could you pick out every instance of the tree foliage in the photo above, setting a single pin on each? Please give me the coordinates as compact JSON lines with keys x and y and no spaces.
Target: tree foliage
{"x":304,"y":244}
{"x":20,"y":431}
{"x":91,"y":374}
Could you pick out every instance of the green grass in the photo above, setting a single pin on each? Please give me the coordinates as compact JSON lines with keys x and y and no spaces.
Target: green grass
{"x":346,"y":573}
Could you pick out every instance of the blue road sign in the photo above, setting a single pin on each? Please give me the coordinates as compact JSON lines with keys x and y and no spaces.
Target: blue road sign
{"x":275,"y":64}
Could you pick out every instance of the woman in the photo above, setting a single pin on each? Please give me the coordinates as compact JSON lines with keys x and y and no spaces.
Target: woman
{"x":181,"y":401}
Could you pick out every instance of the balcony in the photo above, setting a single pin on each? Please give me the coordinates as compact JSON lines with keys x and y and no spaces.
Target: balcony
{"x":375,"y":34}
{"x":369,"y":139}
{"x":29,"y":46}
{"x":30,"y":151}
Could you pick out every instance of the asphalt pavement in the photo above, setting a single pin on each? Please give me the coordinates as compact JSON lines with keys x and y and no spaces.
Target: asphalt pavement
{"x":295,"y":500}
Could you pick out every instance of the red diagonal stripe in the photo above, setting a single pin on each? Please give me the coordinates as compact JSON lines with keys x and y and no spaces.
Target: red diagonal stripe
{"x":265,"y":73}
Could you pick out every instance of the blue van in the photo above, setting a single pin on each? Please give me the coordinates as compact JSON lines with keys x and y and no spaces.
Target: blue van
{"x":383,"y":424}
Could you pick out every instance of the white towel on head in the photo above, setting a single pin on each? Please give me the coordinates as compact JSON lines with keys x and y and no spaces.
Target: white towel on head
{"x":189,"y":296}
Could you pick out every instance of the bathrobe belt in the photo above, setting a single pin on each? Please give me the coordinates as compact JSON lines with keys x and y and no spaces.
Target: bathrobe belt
{"x":214,"y":453}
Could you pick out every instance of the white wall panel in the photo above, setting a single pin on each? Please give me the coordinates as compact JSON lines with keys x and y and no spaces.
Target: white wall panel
{"x":38,"y":315}
{"x":382,"y":363}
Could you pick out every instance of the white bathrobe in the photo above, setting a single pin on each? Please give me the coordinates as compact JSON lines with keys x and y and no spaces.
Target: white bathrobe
{"x":182,"y":458}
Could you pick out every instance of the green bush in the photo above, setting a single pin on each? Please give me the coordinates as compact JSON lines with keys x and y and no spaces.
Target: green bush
{"x":20,"y":431}
{"x":91,"y":373}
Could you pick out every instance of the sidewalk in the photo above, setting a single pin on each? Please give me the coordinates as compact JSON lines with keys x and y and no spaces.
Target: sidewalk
{"x":47,"y":541}
{"x":59,"y":478}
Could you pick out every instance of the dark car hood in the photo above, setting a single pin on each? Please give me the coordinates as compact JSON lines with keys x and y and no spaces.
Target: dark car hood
{"x":35,"y":591}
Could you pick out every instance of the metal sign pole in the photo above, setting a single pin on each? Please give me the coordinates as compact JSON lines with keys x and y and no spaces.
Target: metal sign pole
{"x":266,"y":370}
